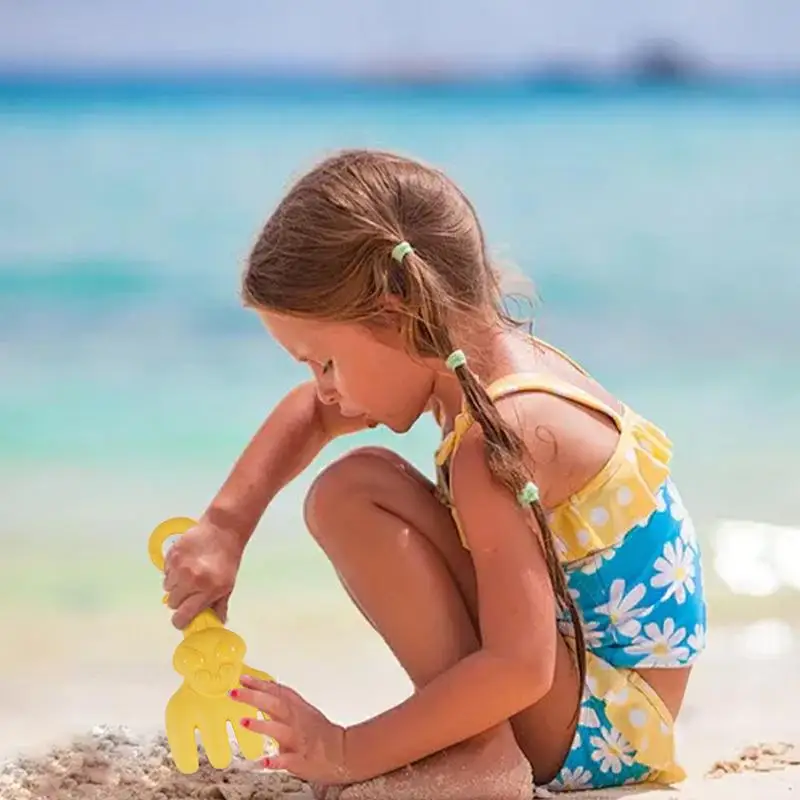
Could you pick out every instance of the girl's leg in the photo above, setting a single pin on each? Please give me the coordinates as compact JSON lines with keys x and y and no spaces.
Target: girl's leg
{"x":397,"y":553}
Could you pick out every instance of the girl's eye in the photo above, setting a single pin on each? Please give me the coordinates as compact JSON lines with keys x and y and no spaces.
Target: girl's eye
{"x":327,"y":367}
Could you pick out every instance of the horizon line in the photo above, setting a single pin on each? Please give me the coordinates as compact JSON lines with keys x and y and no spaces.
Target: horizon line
{"x":553,"y":79}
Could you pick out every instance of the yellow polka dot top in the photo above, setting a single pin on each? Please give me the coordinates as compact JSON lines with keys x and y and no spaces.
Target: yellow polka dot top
{"x":623,"y":494}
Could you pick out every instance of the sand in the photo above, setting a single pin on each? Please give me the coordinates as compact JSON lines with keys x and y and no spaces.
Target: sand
{"x":112,"y":763}
{"x":741,"y":695}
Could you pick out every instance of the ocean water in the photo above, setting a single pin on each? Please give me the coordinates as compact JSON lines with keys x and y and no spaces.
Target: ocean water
{"x":661,"y":230}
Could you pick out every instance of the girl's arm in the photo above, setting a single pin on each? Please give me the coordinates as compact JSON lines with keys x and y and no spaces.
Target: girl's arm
{"x":515,"y":666}
{"x":291,"y":437}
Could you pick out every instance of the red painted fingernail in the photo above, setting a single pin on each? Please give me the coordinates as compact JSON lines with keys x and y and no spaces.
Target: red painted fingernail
{"x":266,"y":763}
{"x":234,"y":693}
{"x":245,"y":723}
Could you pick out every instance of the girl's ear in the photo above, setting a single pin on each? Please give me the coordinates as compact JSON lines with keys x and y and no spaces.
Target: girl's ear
{"x":389,"y":324}
{"x":391,"y":313}
{"x":390,"y":303}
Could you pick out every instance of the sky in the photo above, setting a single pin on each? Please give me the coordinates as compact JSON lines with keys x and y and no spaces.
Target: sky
{"x":378,"y":35}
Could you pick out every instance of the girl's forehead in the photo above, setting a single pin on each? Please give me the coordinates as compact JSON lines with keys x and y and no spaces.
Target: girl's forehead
{"x":299,"y":334}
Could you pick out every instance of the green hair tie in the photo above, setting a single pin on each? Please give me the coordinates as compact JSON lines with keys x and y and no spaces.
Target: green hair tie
{"x":456,"y":359}
{"x":401,"y":250}
{"x":529,"y":494}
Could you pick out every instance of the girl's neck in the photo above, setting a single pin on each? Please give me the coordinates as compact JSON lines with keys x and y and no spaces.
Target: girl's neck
{"x":491,"y":355}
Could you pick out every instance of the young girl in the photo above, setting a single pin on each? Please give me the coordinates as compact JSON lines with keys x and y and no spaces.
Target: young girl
{"x":545,"y":596}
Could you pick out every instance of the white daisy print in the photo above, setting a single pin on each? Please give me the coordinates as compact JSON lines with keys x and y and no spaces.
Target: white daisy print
{"x":677,"y":508}
{"x":660,"y":647}
{"x":592,"y":632}
{"x":689,"y":534}
{"x":697,"y":639}
{"x":572,"y":780}
{"x":612,"y":751}
{"x":592,"y":564}
{"x":675,"y":570}
{"x":621,"y":608}
{"x":588,"y":717}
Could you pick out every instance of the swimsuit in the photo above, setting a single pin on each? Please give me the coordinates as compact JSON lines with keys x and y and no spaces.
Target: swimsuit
{"x":633,"y":567}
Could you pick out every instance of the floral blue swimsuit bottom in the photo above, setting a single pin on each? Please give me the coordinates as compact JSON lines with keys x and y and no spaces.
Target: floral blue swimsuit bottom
{"x":642,"y":605}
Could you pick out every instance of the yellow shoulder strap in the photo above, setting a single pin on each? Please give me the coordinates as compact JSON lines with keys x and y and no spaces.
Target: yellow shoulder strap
{"x":553,"y":349}
{"x":540,"y":382}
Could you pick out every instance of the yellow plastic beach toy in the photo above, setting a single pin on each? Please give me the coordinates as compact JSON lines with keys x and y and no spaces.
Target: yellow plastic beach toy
{"x":211,"y":661}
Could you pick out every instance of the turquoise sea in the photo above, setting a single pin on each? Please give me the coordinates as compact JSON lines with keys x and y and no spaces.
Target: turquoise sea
{"x":661,"y":230}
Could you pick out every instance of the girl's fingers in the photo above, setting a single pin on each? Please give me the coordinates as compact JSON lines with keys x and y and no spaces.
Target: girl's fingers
{"x":187,"y":609}
{"x":178,"y":595}
{"x":268,"y":702}
{"x":285,"y":762}
{"x":220,"y":608}
{"x":260,"y":685}
{"x":169,"y":558}
{"x":287,"y":695}
{"x":170,"y":580}
{"x":282,"y":734}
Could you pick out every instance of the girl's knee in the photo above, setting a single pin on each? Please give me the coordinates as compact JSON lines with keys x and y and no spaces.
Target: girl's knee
{"x":343,"y":482}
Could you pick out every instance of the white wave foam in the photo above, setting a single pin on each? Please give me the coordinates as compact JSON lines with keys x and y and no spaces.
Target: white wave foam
{"x":756,"y":558}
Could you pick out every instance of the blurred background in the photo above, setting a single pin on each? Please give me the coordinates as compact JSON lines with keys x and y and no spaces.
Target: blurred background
{"x":639,"y":162}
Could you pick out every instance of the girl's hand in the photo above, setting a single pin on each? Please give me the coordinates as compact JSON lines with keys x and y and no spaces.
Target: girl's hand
{"x":200,"y":571}
{"x":311,"y":746}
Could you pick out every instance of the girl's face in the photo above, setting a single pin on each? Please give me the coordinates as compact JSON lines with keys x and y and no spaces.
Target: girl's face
{"x":364,"y":372}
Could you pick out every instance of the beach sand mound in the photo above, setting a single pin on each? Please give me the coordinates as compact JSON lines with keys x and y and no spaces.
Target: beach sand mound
{"x":112,"y":764}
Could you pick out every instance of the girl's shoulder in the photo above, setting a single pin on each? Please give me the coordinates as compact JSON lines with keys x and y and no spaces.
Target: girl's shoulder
{"x":599,"y":467}
{"x":569,"y":435}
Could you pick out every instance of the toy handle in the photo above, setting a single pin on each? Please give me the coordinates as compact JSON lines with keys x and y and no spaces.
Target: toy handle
{"x":175,"y":526}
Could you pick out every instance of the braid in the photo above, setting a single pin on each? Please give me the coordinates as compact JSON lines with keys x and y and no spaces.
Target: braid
{"x":505,"y":453}
{"x":426,"y":330}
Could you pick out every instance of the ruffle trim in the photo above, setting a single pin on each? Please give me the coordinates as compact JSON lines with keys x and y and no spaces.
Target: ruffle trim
{"x":621,"y":496}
